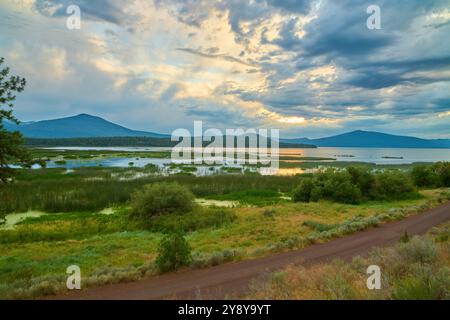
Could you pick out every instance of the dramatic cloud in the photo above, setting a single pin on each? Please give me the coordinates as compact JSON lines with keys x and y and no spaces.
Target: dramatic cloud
{"x":309,"y":67}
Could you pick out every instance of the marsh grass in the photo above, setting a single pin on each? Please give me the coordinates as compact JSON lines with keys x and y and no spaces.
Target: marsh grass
{"x":93,"y":189}
{"x":78,"y":226}
{"x":256,"y":197}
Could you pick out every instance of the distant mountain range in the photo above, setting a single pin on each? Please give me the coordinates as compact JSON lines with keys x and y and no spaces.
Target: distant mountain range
{"x":368,"y":139}
{"x":88,"y":126}
{"x":80,"y":126}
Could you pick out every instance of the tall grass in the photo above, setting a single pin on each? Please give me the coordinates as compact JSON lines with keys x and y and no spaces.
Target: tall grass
{"x":93,"y":189}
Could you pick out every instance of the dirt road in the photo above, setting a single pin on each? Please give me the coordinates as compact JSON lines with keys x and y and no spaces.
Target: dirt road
{"x":233,"y":278}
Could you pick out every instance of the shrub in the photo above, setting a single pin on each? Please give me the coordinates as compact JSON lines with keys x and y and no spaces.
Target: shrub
{"x":330,"y":185}
{"x":428,"y":286}
{"x":424,"y":176}
{"x":354,"y":185}
{"x":303,"y":192}
{"x":347,"y":193}
{"x":418,"y":250}
{"x":392,"y":185}
{"x":442,"y":170}
{"x":160,"y":198}
{"x":321,"y":227}
{"x":362,"y":178}
{"x":173,"y":252}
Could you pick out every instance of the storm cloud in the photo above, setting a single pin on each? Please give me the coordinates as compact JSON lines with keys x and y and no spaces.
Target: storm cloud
{"x":158,"y":65}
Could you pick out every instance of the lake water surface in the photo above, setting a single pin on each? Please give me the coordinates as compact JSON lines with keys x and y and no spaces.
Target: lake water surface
{"x":372,"y":155}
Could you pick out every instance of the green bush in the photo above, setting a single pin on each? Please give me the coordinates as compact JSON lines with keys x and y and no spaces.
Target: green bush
{"x":173,"y":252}
{"x":320,"y":227}
{"x":347,"y":193}
{"x":392,"y":185}
{"x":437,"y":175}
{"x":303,"y":192}
{"x":424,"y":176}
{"x":427,"y":286}
{"x":159,"y":198}
{"x":362,"y":178}
{"x":442,"y":170}
{"x":329,"y":185}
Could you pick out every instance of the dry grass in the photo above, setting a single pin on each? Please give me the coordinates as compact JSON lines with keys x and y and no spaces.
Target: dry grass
{"x":418,"y":269}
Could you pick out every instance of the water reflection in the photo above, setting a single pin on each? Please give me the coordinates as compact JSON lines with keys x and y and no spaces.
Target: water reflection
{"x":371,"y":155}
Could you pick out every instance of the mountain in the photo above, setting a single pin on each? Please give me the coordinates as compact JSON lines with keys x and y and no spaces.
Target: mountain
{"x":87,"y":126}
{"x":368,"y":139}
{"x":80,"y":126}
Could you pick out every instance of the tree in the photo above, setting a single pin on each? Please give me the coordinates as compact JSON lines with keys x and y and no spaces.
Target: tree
{"x":11,"y":143}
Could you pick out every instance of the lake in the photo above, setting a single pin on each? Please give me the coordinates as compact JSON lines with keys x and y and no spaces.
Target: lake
{"x":372,"y":155}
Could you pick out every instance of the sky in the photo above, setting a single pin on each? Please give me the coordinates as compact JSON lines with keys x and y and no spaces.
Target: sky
{"x":310,"y":68}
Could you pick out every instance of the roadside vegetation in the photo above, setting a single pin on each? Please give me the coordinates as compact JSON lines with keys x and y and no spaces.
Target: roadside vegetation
{"x":131,"y":223}
{"x":414,"y":269}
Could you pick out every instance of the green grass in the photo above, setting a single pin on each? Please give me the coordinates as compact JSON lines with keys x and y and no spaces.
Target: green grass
{"x":256,"y":197}
{"x":317,"y":226}
{"x":112,"y":248}
{"x":93,"y":189}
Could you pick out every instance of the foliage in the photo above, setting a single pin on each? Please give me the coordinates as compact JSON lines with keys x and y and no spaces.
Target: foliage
{"x":303,"y":192}
{"x":423,"y":287}
{"x":353,"y":185}
{"x":423,"y":176}
{"x":11,"y":148}
{"x":437,"y":175}
{"x":160,"y":198}
{"x":91,"y":189}
{"x":392,"y":184}
{"x":418,"y":251}
{"x":442,"y":170}
{"x":174,"y":252}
